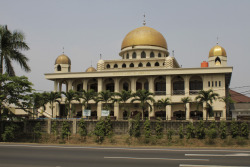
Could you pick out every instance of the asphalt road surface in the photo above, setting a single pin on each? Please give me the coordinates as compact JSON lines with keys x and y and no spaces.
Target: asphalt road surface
{"x":33,"y":155}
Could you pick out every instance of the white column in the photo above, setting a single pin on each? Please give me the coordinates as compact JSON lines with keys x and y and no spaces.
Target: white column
{"x":168,"y":112}
{"x":116,"y":104}
{"x":224,"y":117}
{"x":133,"y":84}
{"x":168,"y":86}
{"x":70,"y":85}
{"x":99,"y":105}
{"x":151,"y":84}
{"x":188,"y":111}
{"x":204,"y":111}
{"x":55,"y":86}
{"x":186,"y":80}
{"x":151,"y":112}
{"x":85,"y":84}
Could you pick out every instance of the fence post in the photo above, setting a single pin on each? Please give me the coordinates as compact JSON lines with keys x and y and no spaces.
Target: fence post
{"x":74,"y":126}
{"x":49,"y":126}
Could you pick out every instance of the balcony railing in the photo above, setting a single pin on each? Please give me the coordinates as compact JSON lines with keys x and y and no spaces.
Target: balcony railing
{"x":158,"y":93}
{"x":178,"y":92}
{"x":193,"y":92}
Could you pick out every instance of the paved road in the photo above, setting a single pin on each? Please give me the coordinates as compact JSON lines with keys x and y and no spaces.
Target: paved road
{"x":32,"y":155}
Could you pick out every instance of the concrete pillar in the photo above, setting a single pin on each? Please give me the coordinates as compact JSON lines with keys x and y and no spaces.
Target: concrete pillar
{"x":70,"y":85}
{"x":99,"y":110}
{"x":168,"y":86}
{"x":116,"y":81}
{"x":188,"y":111}
{"x":99,"y":84}
{"x":224,"y":117}
{"x":151,"y":112}
{"x":151,"y":84}
{"x":74,"y":126}
{"x":186,"y":83}
{"x":85,"y":84}
{"x":55,"y":86}
{"x":116,"y":111}
{"x":204,"y":111}
{"x":133,"y":84}
{"x":49,"y":126}
{"x":168,"y":112}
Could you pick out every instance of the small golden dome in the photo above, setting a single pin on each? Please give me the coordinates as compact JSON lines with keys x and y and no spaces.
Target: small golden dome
{"x":217,"y":51}
{"x":144,"y":36}
{"x":91,"y":69}
{"x":63,"y":59}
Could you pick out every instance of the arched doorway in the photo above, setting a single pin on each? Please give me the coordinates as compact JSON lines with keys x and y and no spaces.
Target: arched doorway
{"x":179,"y":115}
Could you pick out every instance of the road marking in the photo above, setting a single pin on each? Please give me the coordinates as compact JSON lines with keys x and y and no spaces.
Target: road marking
{"x":119,"y":148}
{"x":169,"y":159}
{"x":219,"y":155}
{"x":188,"y":165}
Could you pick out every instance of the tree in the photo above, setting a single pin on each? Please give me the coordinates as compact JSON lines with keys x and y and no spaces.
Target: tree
{"x":207,"y":97}
{"x":87,"y":96}
{"x":69,"y":97}
{"x":164,"y":102}
{"x":39,"y":100}
{"x":16,"y":91}
{"x":186,"y":100}
{"x":11,"y":45}
{"x":106,"y":97}
{"x":122,"y":98}
{"x":144,"y":97}
{"x":52,"y":98}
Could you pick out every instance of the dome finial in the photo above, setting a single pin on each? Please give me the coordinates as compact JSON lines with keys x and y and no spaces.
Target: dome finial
{"x":144,"y":20}
{"x":100,"y":56}
{"x":63,"y":49}
{"x":217,"y":40}
{"x":173,"y":53}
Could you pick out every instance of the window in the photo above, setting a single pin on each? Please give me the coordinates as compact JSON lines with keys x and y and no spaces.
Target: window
{"x":219,"y":83}
{"x":157,"y":64}
{"x":134,"y":55}
{"x":143,"y":54}
{"x":159,"y":55}
{"x":152,"y":55}
{"x":123,"y":65}
{"x":131,"y":65}
{"x":212,"y":83}
{"x":208,"y":83}
{"x":108,"y":66}
{"x":146,"y":85}
{"x":127,"y":56}
{"x":115,"y":66}
{"x":79,"y":87}
{"x":125,"y":86}
{"x":148,"y":64}
{"x":140,"y":65}
{"x":59,"y":68}
{"x":215,"y":83}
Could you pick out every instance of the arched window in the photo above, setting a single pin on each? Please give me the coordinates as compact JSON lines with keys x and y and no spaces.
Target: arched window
{"x":125,"y":86}
{"x":140,"y":65}
{"x":148,"y":64}
{"x":146,"y":85}
{"x":217,"y":61}
{"x":115,"y":66}
{"x":131,"y":65}
{"x":127,"y":56}
{"x":143,"y":54}
{"x":110,"y":87}
{"x":59,"y":68}
{"x":79,"y":87}
{"x":134,"y":55}
{"x":108,"y":66}
{"x":152,"y":55}
{"x":157,"y":64}
{"x":123,"y":65}
{"x":159,"y":55}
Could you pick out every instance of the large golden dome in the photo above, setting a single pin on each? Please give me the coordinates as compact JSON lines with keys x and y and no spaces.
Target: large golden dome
{"x":91,"y":69}
{"x":144,"y":36}
{"x":63,"y":59}
{"x":217,"y":51}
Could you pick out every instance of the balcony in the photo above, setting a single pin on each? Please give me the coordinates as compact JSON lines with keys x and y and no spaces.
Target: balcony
{"x":178,"y":92}
{"x":194,"y":92}
{"x":159,"y":93}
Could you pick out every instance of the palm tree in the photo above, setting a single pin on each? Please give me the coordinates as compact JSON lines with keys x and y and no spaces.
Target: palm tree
{"x":164,"y":102}
{"x":206,"y":97}
{"x":123,"y":97}
{"x":87,"y":96}
{"x":144,"y":97}
{"x":186,"y":100}
{"x":69,"y":97}
{"x":11,"y":43}
{"x":106,"y":97}
{"x":53,"y":97}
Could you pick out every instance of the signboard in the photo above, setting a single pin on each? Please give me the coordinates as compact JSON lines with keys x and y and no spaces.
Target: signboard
{"x":86,"y":113}
{"x":105,"y":113}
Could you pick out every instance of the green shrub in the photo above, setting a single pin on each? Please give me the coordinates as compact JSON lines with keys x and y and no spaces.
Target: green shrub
{"x":159,"y":128}
{"x":190,"y":131}
{"x":65,"y":130}
{"x":234,"y":129}
{"x":147,"y":130}
{"x":223,"y":130}
{"x":212,"y":131}
{"x":244,"y":130}
{"x":170,"y":133}
{"x":54,"y":129}
{"x":37,"y":131}
{"x":136,"y":126}
{"x":200,"y":132}
{"x":181,"y":133}
{"x":82,"y":128}
{"x":10,"y":132}
{"x":108,"y":127}
{"x":100,"y":131}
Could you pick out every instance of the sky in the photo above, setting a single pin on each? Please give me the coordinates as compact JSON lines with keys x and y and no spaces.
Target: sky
{"x":88,"y":28}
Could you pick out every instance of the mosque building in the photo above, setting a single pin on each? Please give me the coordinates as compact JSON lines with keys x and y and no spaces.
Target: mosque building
{"x":145,"y":63}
